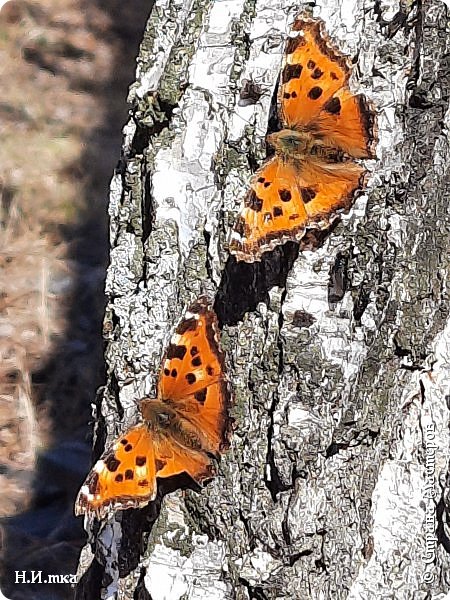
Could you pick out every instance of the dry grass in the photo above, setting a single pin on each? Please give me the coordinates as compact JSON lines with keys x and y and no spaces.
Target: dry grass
{"x":64,"y":66}
{"x":35,"y":284}
{"x":60,"y":118}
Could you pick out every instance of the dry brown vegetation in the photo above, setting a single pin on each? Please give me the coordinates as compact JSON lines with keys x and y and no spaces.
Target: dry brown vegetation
{"x":65,"y":67}
{"x":35,"y":282}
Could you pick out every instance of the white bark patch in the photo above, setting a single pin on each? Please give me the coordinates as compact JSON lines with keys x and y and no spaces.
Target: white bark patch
{"x":268,"y":33}
{"x":307,"y":286}
{"x":306,"y":511}
{"x":109,"y":539}
{"x":183,"y":175}
{"x":122,"y":278}
{"x":171,"y":576}
{"x":405,"y":497}
{"x":211,"y":67}
{"x":257,"y":566}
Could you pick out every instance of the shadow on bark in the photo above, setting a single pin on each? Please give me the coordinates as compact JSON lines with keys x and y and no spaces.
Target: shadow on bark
{"x":244,"y":285}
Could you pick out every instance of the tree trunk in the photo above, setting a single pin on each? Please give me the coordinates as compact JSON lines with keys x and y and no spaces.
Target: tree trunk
{"x":336,"y":482}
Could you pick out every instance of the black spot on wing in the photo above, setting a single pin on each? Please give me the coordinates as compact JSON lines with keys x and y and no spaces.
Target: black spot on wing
{"x":254,"y":202}
{"x":128,"y":448}
{"x":129,"y":474}
{"x":176,"y":351}
{"x":315,"y":93}
{"x":308,"y":194}
{"x":194,"y":351}
{"x":333,"y":106}
{"x":174,"y":373}
{"x":140,"y":461}
{"x":277,"y":211}
{"x":118,"y":478}
{"x":311,"y":64}
{"x":111,"y":462}
{"x":200,"y":396}
{"x":196,"y":362}
{"x":191,"y":378}
{"x":317,"y":73}
{"x":291,"y":72}
{"x":285,"y":195}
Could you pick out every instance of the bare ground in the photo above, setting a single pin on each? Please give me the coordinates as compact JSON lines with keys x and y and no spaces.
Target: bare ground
{"x":65,"y":68}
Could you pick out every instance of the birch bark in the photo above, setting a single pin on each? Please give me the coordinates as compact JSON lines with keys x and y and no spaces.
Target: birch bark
{"x":336,"y":485}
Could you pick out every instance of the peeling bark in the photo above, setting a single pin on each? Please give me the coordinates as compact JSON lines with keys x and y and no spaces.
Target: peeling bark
{"x":336,"y":483}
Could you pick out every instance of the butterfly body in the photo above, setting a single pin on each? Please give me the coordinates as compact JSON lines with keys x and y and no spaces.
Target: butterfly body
{"x":164,"y":420}
{"x":311,"y":177}
{"x":293,"y":144}
{"x":183,"y":429}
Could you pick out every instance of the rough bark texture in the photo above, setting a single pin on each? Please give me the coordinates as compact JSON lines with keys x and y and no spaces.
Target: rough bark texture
{"x":336,"y":484}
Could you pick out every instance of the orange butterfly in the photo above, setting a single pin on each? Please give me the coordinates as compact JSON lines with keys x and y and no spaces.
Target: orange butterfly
{"x":310,"y":178}
{"x":184,"y":427}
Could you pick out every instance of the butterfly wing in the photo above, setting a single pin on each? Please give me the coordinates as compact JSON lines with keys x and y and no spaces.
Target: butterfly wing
{"x":347,"y":122}
{"x":312,"y":73}
{"x":303,"y":187}
{"x":188,"y":422}
{"x":192,"y":379}
{"x":174,"y":459}
{"x":328,"y":188}
{"x":124,"y":477}
{"x":285,"y":199}
{"x":274,"y":212}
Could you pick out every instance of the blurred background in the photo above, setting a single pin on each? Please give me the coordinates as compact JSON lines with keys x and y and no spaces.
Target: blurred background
{"x":65,"y":67}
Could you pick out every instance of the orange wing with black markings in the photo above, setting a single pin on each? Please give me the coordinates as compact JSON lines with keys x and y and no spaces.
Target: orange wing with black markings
{"x":184,"y":427}
{"x":192,"y":376}
{"x":274,"y":212}
{"x":124,"y":477}
{"x":174,"y":459}
{"x":311,"y":178}
{"x":347,"y":122}
{"x":313,"y":72}
{"x":284,"y":201}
